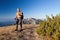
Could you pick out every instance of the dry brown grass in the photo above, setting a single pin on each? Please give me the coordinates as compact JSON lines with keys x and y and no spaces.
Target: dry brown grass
{"x":8,"y":33}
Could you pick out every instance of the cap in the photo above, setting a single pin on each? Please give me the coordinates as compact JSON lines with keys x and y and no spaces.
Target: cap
{"x":18,"y":9}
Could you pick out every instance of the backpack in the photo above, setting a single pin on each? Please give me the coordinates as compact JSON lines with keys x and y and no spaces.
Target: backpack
{"x":22,"y":16}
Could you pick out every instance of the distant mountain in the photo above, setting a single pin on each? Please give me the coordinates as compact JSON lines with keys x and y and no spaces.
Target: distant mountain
{"x":31,"y":21}
{"x":25,"y":21}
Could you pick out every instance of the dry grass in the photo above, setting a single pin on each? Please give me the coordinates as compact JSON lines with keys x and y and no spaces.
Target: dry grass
{"x":8,"y":33}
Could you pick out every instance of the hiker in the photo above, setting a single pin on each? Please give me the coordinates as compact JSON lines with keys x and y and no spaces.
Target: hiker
{"x":19,"y":18}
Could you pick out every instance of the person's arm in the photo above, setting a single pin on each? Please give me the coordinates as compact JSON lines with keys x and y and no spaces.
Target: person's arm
{"x":20,"y":14}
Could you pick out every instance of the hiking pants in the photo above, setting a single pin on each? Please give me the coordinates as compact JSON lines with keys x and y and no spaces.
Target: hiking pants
{"x":18,"y":22}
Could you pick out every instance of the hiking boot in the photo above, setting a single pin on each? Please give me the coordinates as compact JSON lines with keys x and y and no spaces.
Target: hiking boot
{"x":16,"y":29}
{"x":21,"y":30}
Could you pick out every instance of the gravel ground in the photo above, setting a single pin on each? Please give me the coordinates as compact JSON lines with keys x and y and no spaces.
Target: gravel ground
{"x":28,"y":33}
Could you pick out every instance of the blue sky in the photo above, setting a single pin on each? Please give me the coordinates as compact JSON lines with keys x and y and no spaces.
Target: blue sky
{"x":31,"y":8}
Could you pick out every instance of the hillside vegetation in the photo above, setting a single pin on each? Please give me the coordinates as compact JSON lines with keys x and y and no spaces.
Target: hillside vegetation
{"x":49,"y":28}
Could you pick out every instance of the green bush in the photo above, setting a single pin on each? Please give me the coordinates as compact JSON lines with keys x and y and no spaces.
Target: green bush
{"x":50,"y":27}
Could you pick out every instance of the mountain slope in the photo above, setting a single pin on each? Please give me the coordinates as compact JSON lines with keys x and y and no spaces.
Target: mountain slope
{"x":28,"y":33}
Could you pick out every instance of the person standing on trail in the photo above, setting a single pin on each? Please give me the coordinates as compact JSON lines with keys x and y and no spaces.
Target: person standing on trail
{"x":19,"y":18}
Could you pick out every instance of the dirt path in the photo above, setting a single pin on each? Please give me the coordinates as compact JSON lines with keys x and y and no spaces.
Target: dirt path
{"x":28,"y":33}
